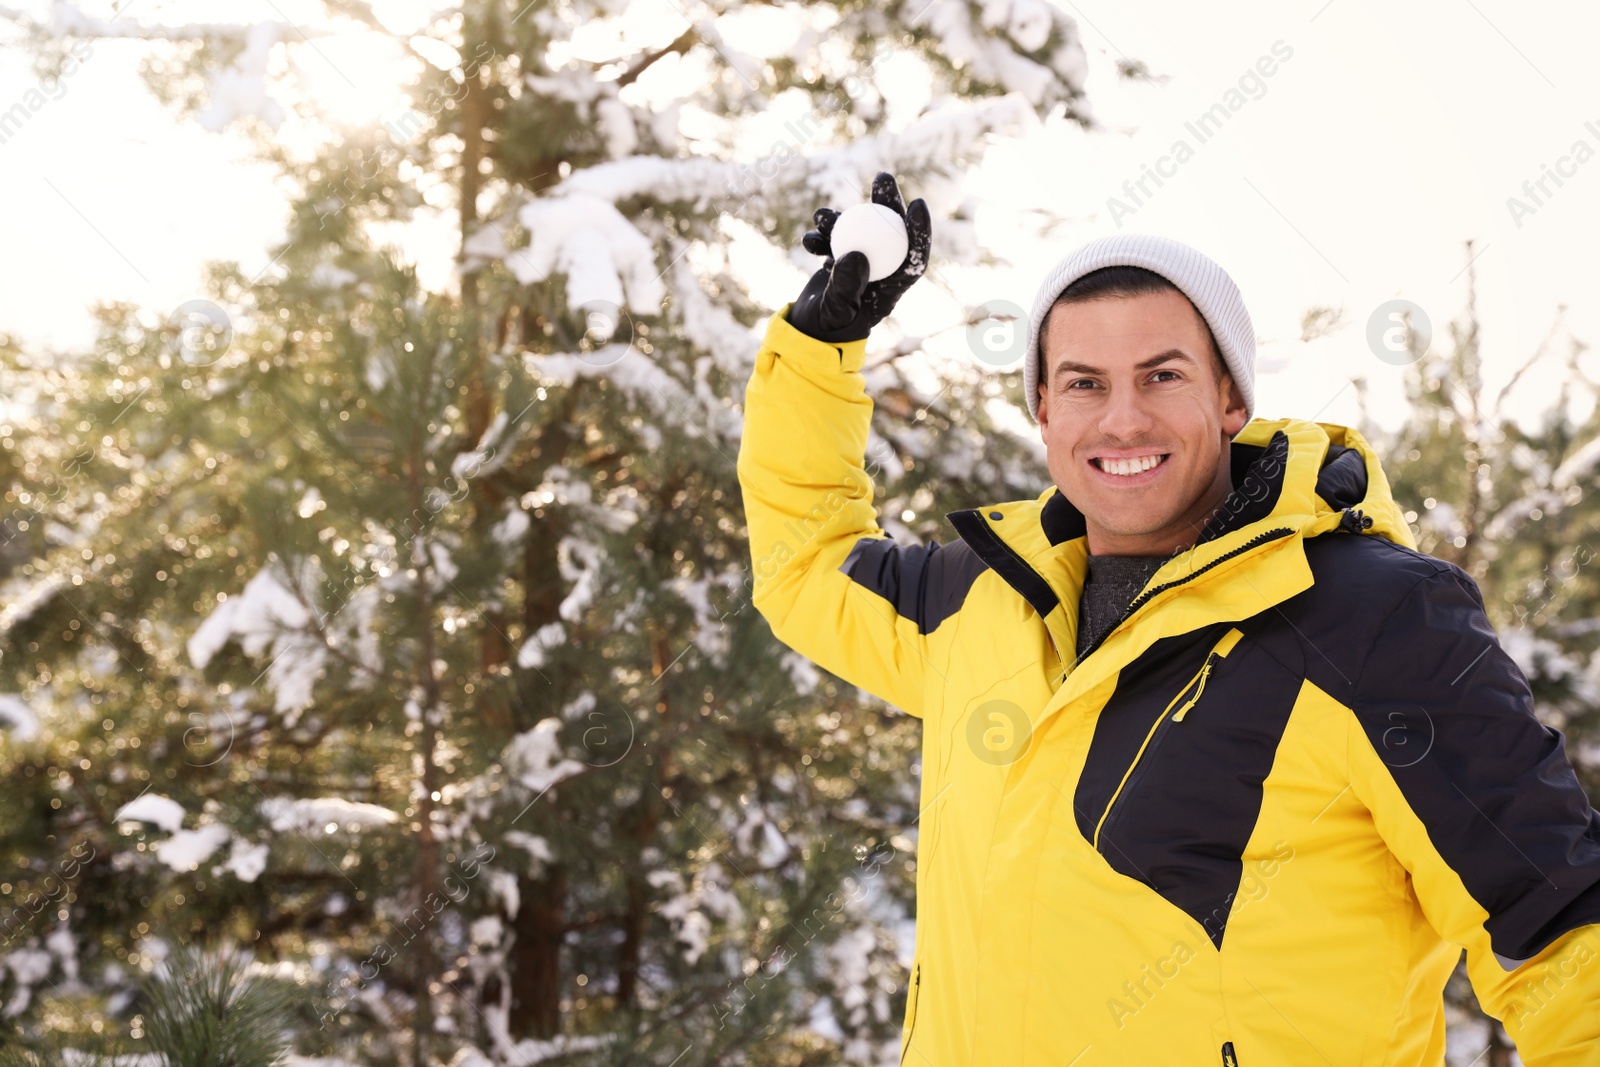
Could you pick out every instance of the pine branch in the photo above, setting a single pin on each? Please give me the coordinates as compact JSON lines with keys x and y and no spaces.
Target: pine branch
{"x":208,"y":1009}
{"x":686,"y":40}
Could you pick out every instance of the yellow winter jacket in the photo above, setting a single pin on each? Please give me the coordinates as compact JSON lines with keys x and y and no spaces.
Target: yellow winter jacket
{"x":1256,"y":825}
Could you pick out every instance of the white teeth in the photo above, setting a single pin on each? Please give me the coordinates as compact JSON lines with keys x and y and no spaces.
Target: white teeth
{"x":1135,"y":465}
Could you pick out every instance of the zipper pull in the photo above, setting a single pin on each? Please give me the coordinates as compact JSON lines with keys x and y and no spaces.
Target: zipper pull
{"x":1355,"y":521}
{"x":1228,"y":1058}
{"x":1205,"y":672}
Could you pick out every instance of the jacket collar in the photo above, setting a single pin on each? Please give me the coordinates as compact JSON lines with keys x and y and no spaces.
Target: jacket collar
{"x":1292,"y":480}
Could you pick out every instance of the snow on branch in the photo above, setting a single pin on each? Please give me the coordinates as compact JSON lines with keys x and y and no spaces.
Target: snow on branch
{"x":990,"y":49}
{"x":490,"y":453}
{"x":235,"y":89}
{"x":709,"y":327}
{"x":269,"y":613}
{"x":306,"y":814}
{"x":643,"y":377}
{"x":184,"y":850}
{"x":1561,"y":488}
{"x":17,"y":718}
{"x":154,"y":808}
{"x":255,"y":616}
{"x":535,"y":757}
{"x":66,"y":20}
{"x":1578,"y":467}
{"x":945,"y":138}
{"x":690,"y":910}
{"x":607,"y":261}
{"x":610,"y":264}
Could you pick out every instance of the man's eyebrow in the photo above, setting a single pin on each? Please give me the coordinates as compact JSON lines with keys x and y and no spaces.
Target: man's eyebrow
{"x":1069,"y":367}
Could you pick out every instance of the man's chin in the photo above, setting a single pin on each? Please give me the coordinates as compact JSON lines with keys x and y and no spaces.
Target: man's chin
{"x":1122,"y":526}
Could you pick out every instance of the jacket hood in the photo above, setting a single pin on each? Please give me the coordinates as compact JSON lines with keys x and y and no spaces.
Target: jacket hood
{"x":1293,"y":480}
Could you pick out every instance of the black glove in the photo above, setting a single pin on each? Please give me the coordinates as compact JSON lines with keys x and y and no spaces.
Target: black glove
{"x":838,"y":304}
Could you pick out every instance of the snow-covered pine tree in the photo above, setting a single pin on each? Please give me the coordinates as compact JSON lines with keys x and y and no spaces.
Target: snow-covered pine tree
{"x":404,"y":635}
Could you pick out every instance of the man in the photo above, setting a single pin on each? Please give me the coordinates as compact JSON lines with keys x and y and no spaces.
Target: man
{"x":1216,"y":767}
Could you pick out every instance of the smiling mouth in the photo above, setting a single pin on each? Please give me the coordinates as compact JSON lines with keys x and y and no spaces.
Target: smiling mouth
{"x":1130,"y":465}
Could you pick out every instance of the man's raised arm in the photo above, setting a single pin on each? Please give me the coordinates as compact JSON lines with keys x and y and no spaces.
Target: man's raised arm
{"x":832,"y":586}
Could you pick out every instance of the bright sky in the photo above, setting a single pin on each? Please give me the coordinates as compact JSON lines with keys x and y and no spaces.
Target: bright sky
{"x":1388,"y":138}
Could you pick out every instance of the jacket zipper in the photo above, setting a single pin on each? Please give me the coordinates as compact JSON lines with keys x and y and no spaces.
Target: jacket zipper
{"x":1144,"y":598}
{"x":1218,"y":652}
{"x":916,"y":1009}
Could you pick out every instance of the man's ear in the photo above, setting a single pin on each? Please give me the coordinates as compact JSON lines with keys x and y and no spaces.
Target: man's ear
{"x":1234,"y":416}
{"x":1042,"y":412}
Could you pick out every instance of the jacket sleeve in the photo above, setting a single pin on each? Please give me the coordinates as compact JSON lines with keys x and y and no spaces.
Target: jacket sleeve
{"x":1476,"y":798}
{"x":827,"y":579}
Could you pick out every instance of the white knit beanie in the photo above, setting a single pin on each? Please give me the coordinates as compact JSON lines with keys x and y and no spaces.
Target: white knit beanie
{"x":1205,"y":283}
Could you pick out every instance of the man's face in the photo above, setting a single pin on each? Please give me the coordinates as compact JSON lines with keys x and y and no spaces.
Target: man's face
{"x":1135,"y":420}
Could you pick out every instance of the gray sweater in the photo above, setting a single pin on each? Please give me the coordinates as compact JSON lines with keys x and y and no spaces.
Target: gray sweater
{"x":1108,"y":590}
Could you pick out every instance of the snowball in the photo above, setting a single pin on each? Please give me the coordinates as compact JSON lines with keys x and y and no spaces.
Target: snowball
{"x":878,"y":231}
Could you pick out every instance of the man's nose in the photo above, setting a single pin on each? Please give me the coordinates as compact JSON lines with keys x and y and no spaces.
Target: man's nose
{"x":1123,"y":417}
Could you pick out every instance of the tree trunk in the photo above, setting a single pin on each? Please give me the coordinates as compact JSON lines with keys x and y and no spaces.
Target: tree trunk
{"x":1499,"y":1047}
{"x":534,"y":963}
{"x":540,"y":925}
{"x":493,"y":646}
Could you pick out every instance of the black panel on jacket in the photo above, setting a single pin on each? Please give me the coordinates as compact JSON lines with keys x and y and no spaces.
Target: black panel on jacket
{"x":925,"y":583}
{"x":1342,"y":481}
{"x":1003,"y":559}
{"x":1402,"y":639}
{"x":1358,"y":579}
{"x":1061,"y":521}
{"x":1492,"y":785}
{"x":1133,"y":707}
{"x":1181,"y":821}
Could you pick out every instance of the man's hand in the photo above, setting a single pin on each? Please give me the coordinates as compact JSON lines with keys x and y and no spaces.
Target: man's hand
{"x":838,"y":304}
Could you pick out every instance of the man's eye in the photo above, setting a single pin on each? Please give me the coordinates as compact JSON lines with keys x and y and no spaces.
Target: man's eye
{"x":1165,"y":376}
{"x":1081,"y":384}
